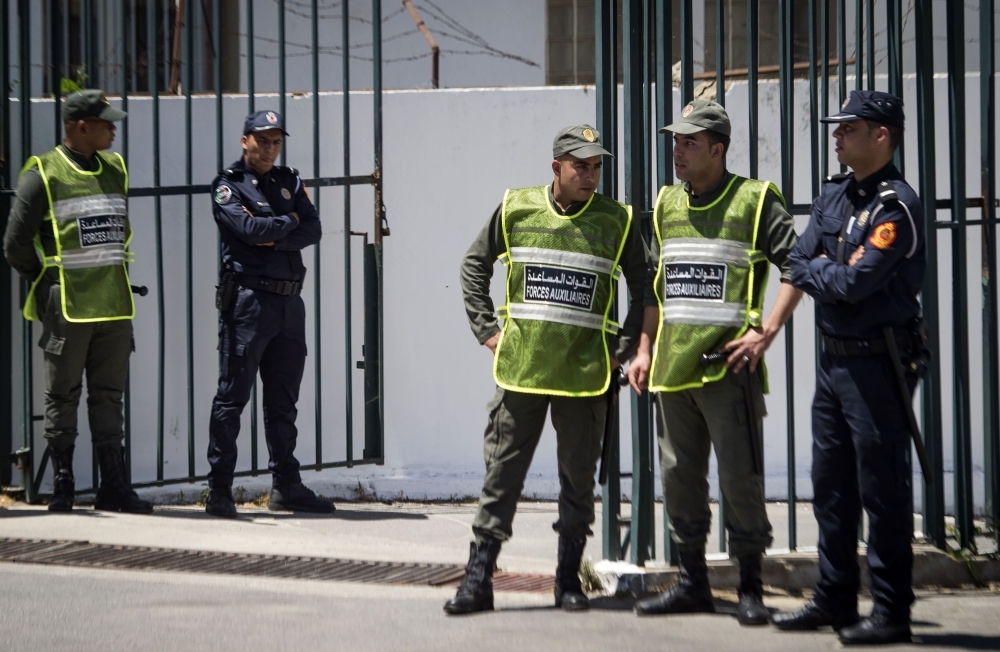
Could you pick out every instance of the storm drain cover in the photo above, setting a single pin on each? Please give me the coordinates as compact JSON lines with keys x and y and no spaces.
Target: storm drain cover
{"x":97,"y":555}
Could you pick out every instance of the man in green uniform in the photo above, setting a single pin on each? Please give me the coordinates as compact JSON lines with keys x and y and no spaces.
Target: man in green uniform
{"x":716,"y":234}
{"x":68,"y":234}
{"x":563,"y":245}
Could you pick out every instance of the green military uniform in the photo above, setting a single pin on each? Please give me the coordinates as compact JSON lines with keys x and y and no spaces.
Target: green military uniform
{"x":555,"y":350}
{"x":68,"y":235}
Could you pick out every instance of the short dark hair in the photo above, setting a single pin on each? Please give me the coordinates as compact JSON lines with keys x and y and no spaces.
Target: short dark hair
{"x":895,"y":133}
{"x":715,"y":137}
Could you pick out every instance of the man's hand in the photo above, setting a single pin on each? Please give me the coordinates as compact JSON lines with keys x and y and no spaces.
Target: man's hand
{"x":491,"y":343}
{"x":747,"y":350}
{"x":296,"y":216}
{"x":638,"y":371}
{"x":856,"y":256}
{"x":266,"y":244}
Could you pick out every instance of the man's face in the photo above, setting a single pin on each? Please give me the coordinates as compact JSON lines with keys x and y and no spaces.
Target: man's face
{"x":856,"y":141}
{"x":261,"y":149}
{"x":694,"y":156}
{"x":97,"y":133}
{"x":578,"y":177}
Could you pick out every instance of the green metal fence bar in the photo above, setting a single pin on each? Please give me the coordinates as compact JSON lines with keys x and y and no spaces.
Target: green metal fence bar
{"x":251,"y":108}
{"x":991,"y":355}
{"x":842,"y":50}
{"x":125,"y":16}
{"x":720,"y":97}
{"x":605,"y":64}
{"x":824,"y":138}
{"x":930,"y":401}
{"x":859,"y":44}
{"x":870,"y":38}
{"x":687,"y":52}
{"x":375,"y":448}
{"x":282,"y":87}
{"x":6,"y":298}
{"x":348,"y":304}
{"x":960,"y":333}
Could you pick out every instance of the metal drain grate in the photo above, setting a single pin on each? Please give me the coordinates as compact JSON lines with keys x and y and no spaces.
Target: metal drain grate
{"x":96,"y":555}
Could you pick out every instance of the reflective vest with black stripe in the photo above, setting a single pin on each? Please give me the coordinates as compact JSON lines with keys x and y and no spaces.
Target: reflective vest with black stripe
{"x":710,"y":280}
{"x":89,"y":221}
{"x":561,"y":275}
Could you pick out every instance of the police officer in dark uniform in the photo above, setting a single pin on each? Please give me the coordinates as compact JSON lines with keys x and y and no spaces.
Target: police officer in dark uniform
{"x":862,"y":259}
{"x":265,"y":218}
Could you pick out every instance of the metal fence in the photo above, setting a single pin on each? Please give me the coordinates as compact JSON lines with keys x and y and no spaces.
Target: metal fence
{"x":649,"y":31}
{"x":155,"y":42}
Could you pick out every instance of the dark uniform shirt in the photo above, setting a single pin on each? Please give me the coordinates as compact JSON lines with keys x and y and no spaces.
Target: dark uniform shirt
{"x":30,"y":208}
{"x":881,"y":289}
{"x":775,"y":237}
{"x":270,"y":198}
{"x":477,"y":270}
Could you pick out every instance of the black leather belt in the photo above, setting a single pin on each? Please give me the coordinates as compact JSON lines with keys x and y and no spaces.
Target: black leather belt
{"x":851,"y":348}
{"x":284,"y":288}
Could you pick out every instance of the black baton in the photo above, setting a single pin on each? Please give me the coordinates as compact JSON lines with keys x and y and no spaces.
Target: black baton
{"x":904,"y":394}
{"x":618,"y":379}
{"x":745,"y":381}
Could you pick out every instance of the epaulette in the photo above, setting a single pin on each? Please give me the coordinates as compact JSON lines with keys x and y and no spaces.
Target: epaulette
{"x":285,"y":168}
{"x":887,"y":192}
{"x":837,"y":178}
{"x":230,"y":172}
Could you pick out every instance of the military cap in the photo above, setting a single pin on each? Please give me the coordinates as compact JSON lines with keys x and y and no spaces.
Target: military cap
{"x":263,"y":121}
{"x":581,"y":141}
{"x":699,"y":115}
{"x":883,"y":108}
{"x":89,"y":103}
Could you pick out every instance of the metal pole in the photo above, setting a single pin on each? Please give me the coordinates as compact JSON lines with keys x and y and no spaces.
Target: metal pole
{"x":930,"y":401}
{"x":317,"y":284}
{"x":859,"y":44}
{"x":960,"y":290}
{"x":188,"y":225}
{"x":842,"y":49}
{"x":824,"y":137}
{"x":991,"y":356}
{"x":720,"y":97}
{"x":605,"y":75}
{"x":217,"y":79}
{"x":753,"y":60}
{"x":348,"y":308}
{"x":27,"y":411}
{"x":6,"y":296}
{"x":379,"y":215}
{"x":56,"y":73}
{"x":687,"y":52}
{"x":251,"y":103}
{"x":125,"y":40}
{"x":154,"y":86}
{"x":786,"y":82}
{"x":870,"y":35}
{"x":281,"y":71}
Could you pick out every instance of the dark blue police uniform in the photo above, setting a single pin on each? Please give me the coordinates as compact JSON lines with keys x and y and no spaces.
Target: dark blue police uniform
{"x":264,"y":325}
{"x":860,"y":425}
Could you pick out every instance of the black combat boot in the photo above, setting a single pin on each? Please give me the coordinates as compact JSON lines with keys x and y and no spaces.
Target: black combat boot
{"x":63,"y":487}
{"x":296,"y":497}
{"x":691,"y":594}
{"x":114,"y":494}
{"x":569,"y":593}
{"x":751,"y":609}
{"x":220,"y":502}
{"x":878,"y":629}
{"x":475,"y":593}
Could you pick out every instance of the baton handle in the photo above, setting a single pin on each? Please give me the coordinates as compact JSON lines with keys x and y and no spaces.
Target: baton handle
{"x":708,"y":359}
{"x":141,"y":290}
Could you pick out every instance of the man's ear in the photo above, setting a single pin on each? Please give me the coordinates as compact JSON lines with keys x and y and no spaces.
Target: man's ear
{"x":556,"y":167}
{"x":243,"y":141}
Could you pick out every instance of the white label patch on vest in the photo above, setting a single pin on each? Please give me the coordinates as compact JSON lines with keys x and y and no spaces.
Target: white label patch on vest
{"x":101,"y":230}
{"x":705,"y":281}
{"x":559,"y":286}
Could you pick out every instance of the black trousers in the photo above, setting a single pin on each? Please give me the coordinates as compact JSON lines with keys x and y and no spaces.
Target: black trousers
{"x":860,"y":439}
{"x":262,"y":331}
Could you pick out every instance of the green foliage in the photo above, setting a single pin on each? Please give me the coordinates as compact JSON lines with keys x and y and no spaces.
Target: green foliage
{"x":203,"y":498}
{"x":240,"y":494}
{"x":589,"y":578}
{"x":67,"y":86}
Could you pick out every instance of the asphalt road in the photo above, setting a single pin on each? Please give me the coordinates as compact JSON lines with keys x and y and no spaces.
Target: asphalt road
{"x":58,"y":608}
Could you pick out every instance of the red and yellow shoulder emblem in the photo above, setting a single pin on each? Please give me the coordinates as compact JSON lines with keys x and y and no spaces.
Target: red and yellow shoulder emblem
{"x":883,"y":235}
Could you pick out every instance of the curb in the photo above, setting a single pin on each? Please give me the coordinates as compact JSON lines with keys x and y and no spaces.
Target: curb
{"x":794,"y":572}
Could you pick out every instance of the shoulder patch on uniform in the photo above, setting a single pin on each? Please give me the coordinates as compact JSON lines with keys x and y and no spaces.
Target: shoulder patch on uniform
{"x":223,"y":194}
{"x":883,"y":235}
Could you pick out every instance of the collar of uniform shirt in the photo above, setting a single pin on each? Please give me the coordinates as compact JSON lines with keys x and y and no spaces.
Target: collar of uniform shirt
{"x":572,"y":209}
{"x":81,"y":161}
{"x":708,"y":196}
{"x":866,"y":188}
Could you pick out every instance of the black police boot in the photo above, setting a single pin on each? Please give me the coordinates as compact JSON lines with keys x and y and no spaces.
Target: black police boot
{"x":878,"y":629}
{"x":475,"y":593}
{"x":63,"y":487}
{"x":569,"y":593}
{"x":296,"y":497}
{"x":689,"y":595}
{"x":812,"y":617}
{"x":220,"y":502}
{"x":114,"y":494}
{"x":751,"y":609}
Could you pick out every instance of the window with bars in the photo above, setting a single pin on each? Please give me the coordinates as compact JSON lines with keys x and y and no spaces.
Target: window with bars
{"x":569,"y":51}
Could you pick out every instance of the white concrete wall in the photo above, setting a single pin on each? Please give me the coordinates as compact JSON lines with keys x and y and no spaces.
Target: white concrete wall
{"x":448,"y":157}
